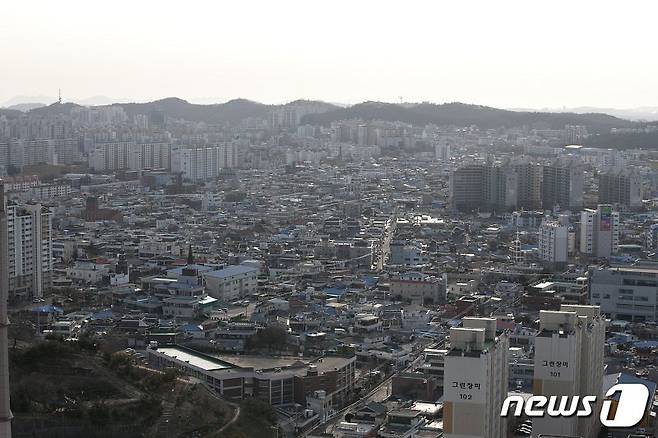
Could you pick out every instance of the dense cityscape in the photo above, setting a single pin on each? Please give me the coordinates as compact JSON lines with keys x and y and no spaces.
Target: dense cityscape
{"x":345,"y":219}
{"x":248,"y":270}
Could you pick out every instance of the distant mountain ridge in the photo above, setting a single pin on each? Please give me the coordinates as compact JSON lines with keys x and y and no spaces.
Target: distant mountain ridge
{"x":457,"y":114}
{"x":419,"y":114}
{"x":47,"y":100}
{"x":642,"y":113}
{"x":232,"y":111}
{"x":25,"y":107}
{"x":461,"y":114}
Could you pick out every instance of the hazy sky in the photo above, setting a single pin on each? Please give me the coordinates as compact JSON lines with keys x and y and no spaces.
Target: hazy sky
{"x":494,"y":52}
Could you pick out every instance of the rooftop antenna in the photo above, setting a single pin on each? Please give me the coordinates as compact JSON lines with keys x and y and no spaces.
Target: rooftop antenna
{"x":59,"y":100}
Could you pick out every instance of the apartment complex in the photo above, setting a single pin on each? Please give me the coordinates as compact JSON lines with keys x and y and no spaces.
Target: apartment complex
{"x":18,"y":153}
{"x":526,"y":185}
{"x":110,"y":156}
{"x":620,"y":187}
{"x":130,"y":155}
{"x":150,"y":156}
{"x":200,"y":164}
{"x":481,"y":187}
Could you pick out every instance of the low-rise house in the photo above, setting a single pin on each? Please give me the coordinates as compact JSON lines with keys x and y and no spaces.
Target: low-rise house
{"x":419,"y":288}
{"x":231,"y":282}
{"x":90,"y":272}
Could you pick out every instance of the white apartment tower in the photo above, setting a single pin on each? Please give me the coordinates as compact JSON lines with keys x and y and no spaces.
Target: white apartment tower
{"x":599,"y":232}
{"x":110,"y":156}
{"x":442,"y":151}
{"x":129,"y":155}
{"x":29,"y":228}
{"x":554,"y":240}
{"x":199,"y":164}
{"x":149,"y":156}
{"x":568,"y":362}
{"x":5,"y":411}
{"x":475,"y":381}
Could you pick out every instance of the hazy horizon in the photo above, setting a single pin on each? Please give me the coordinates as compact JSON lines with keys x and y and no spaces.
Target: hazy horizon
{"x":512,"y":55}
{"x":106,"y":100}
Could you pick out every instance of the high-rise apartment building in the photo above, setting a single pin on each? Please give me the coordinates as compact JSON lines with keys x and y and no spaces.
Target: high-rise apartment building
{"x":500,"y":188}
{"x":64,"y":151}
{"x":5,"y":411}
{"x":599,"y":232}
{"x":568,"y":362}
{"x":19,"y":153}
{"x":562,"y":185}
{"x":442,"y":151}
{"x":475,"y":380}
{"x":129,"y":155}
{"x":467,"y":187}
{"x":23,"y":152}
{"x":110,"y":156}
{"x":554,"y":240}
{"x":620,"y":187}
{"x":29,"y":228}
{"x":155,"y":155}
{"x":199,"y":164}
{"x":521,"y":184}
{"x":483,"y":187}
{"x":4,"y":158}
{"x":529,"y":177}
{"x":290,"y":115}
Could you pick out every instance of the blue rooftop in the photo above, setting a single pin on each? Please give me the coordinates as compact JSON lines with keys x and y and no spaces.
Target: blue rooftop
{"x":369,"y":280}
{"x":103,"y":314}
{"x":47,"y":309}
{"x":191,"y":328}
{"x":645,"y":344}
{"x":334,"y":291}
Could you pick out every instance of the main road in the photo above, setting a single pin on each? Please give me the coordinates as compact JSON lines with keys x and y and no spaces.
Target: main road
{"x":385,"y":247}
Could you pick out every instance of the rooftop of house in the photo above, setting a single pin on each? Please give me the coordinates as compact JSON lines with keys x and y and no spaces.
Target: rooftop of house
{"x":231,"y":271}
